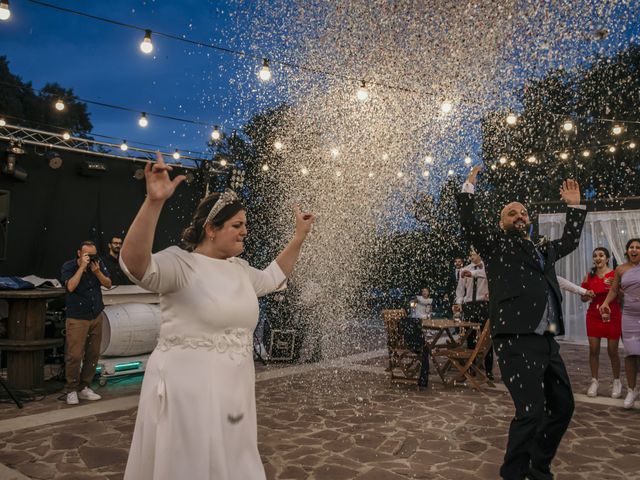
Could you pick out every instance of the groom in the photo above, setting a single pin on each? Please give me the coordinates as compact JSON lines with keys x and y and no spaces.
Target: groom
{"x":525,"y":314}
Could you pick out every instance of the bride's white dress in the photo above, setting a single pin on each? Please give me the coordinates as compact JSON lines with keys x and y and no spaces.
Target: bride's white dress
{"x":197,"y":414}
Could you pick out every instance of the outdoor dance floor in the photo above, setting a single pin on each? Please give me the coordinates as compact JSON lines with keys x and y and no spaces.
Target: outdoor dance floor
{"x":337,"y":420}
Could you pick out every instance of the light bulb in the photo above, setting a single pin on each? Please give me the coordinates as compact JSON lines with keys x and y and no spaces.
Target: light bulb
{"x":123,"y":146}
{"x":493,"y":166}
{"x":5,"y":13}
{"x":512,"y":118}
{"x":586,"y":153}
{"x":446,"y":106}
{"x":362,"y":94}
{"x":512,"y":163}
{"x":265,"y":167}
{"x":612,"y":149}
{"x":428,"y":159}
{"x":335,"y":152}
{"x":176,"y":155}
{"x":399,"y":174}
{"x":338,"y":173}
{"x":304,"y":171}
{"x":632,"y":144}
{"x":143,"y":121}
{"x":371,"y":174}
{"x":531,"y":159}
{"x":3,"y":122}
{"x":567,"y":126}
{"x":426,"y":173}
{"x":215,"y":134}
{"x":66,"y":135}
{"x":278,"y":145}
{"x":616,"y":130}
{"x":385,"y":156}
{"x":450,"y":172}
{"x":223,"y":163}
{"x":502,"y":160}
{"x":146,"y":46}
{"x":564,"y":155}
{"x":265,"y":73}
{"x":59,"y":105}
{"x":467,"y":160}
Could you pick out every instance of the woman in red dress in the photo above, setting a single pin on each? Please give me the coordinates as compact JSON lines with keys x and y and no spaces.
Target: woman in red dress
{"x":599,"y":281}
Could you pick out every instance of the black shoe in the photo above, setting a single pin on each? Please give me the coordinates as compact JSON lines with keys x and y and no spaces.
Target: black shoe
{"x":490,"y":376}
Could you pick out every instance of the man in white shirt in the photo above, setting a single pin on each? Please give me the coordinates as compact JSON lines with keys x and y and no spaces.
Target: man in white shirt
{"x":472,"y":300}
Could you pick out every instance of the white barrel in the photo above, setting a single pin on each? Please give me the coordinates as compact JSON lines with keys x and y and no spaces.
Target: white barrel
{"x":130,"y":329}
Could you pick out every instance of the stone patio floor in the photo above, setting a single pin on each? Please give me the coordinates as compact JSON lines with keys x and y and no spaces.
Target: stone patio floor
{"x":337,"y":420}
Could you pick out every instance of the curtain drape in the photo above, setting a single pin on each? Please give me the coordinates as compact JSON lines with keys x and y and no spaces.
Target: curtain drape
{"x":602,"y":229}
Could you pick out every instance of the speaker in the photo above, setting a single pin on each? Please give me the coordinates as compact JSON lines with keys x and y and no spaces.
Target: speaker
{"x":4,"y":223}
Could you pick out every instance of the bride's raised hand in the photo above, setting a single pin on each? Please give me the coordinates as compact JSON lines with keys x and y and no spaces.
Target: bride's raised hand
{"x":160,"y":186}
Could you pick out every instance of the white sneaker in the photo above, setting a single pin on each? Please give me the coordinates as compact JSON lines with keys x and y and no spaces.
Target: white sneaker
{"x":593,"y":388}
{"x":616,"y":391}
{"x":72,"y":398}
{"x":632,"y":395}
{"x":87,"y":394}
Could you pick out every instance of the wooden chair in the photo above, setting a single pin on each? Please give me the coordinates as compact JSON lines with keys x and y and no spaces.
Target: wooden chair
{"x":466,"y":360}
{"x":404,"y":363}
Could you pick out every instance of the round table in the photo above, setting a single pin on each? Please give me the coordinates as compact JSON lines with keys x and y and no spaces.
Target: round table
{"x":25,"y":342}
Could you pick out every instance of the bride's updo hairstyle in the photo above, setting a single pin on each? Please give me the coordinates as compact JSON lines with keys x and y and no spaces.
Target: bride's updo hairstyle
{"x":194,"y":234}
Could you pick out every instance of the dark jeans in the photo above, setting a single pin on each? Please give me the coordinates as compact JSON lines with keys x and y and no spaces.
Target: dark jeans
{"x":478,"y":312}
{"x":537,"y":380}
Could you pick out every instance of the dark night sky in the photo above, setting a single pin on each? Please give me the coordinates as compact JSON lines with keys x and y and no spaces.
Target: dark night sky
{"x":103,"y":62}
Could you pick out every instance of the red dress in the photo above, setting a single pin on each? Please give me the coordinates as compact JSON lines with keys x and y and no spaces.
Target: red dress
{"x":595,"y":326}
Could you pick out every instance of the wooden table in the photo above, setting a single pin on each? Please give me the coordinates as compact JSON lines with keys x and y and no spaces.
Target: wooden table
{"x":25,"y":342}
{"x":446,"y":326}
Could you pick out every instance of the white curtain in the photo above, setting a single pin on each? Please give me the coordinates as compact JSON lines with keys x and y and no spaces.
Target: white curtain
{"x":602,"y":229}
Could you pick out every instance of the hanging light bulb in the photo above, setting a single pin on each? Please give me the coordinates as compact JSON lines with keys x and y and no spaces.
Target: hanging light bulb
{"x":531,"y":159}
{"x":143,"y":121}
{"x":66,"y":135}
{"x":632,"y":144}
{"x":146,"y":46}
{"x":467,"y":160}
{"x":304,"y":171}
{"x":5,"y":13}
{"x":617,"y":129}
{"x":428,"y":159}
{"x":362,"y":94}
{"x":123,"y":146}
{"x":446,"y":106}
{"x":338,"y":173}
{"x":399,"y":174}
{"x":512,"y":118}
{"x":493,"y":166}
{"x":426,"y":173}
{"x":176,"y":155}
{"x":265,"y":167}
{"x":278,"y":145}
{"x":385,"y":157}
{"x":59,"y":105}
{"x":586,"y":153}
{"x":450,"y":172}
{"x":612,"y":149}
{"x":265,"y":73}
{"x":502,"y":160}
{"x":223,"y":162}
{"x":568,"y":125}
{"x":512,"y":163}
{"x":215,"y":134}
{"x":3,"y":122}
{"x":564,"y":155}
{"x":335,"y":152}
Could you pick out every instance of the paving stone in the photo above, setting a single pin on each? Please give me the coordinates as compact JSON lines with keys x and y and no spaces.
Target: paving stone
{"x":100,"y":456}
{"x":38,"y":470}
{"x":334,"y":472}
{"x":13,"y":457}
{"x":66,"y":441}
{"x":379,"y":474}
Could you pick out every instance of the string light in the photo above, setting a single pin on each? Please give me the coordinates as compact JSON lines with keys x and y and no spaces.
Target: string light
{"x":143,"y":121}
{"x":385,"y":157}
{"x":5,"y":13}
{"x":278,"y":145}
{"x":66,"y":135}
{"x":467,"y":160}
{"x":612,"y":149}
{"x":493,"y":166}
{"x":146,"y":46}
{"x":338,"y":173}
{"x":426,"y":173}
{"x":265,"y":73}
{"x":265,"y":167}
{"x":617,"y":129}
{"x":223,"y":163}
{"x":632,"y":144}
{"x":568,"y":125}
{"x":512,"y":163}
{"x":335,"y":152}
{"x":446,"y":106}
{"x":123,"y":146}
{"x":304,"y":171}
{"x":3,"y":122}
{"x":428,"y":159}
{"x":371,"y":174}
{"x":564,"y":155}
{"x":362,"y":94}
{"x":531,"y":159}
{"x":586,"y":153}
{"x":512,"y":118}
{"x":502,"y":160}
{"x":176,"y":155}
{"x":450,"y":172}
{"x":59,"y":105}
{"x":215,"y":134}
{"x":399,"y":174}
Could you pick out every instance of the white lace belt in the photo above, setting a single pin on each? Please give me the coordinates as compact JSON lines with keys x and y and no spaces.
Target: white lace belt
{"x":233,"y":340}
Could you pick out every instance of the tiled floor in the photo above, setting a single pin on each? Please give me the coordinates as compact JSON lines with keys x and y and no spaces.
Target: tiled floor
{"x":342,"y":420}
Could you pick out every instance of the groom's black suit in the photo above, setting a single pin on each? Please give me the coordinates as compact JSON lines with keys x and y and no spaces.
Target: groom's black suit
{"x":522,"y":282}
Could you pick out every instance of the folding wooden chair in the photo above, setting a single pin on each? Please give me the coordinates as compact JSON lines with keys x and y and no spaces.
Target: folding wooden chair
{"x":405,"y":363}
{"x":466,"y":360}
